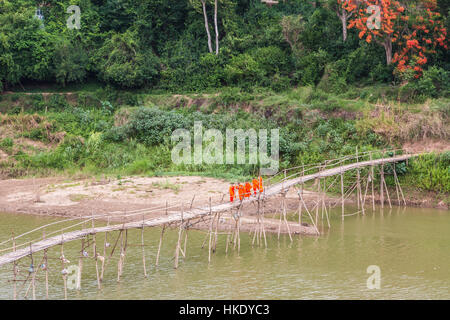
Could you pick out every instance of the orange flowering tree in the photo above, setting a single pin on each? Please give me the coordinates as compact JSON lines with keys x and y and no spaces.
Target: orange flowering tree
{"x":390,"y":27}
{"x":416,"y":30}
{"x":426,"y":34}
{"x":344,"y":10}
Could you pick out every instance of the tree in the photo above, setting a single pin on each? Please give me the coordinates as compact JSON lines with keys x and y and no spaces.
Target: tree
{"x":70,"y":62}
{"x":196,"y":6}
{"x":123,"y":63}
{"x":390,"y":27}
{"x":344,"y":10}
{"x":293,"y":26}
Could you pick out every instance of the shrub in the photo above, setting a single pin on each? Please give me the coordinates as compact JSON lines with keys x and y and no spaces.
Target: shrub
{"x":243,"y":70}
{"x":310,"y":67}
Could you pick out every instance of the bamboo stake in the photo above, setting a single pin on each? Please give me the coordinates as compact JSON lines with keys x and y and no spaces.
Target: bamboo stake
{"x":309,"y":213}
{"x":104,"y":254}
{"x":210,"y":231}
{"x":387,"y":193}
{"x":14,"y":269}
{"x":318,"y":200}
{"x":372,"y":182}
{"x":216,"y":234}
{"x":281,"y":213}
{"x":177,"y":250}
{"x":185,"y":241}
{"x":160,"y":243}
{"x":64,"y":271}
{"x":46,"y":269}
{"x":262,"y":222}
{"x":33,"y":278}
{"x":143,"y":248}
{"x":94,"y":249}
{"x":400,"y":188}
{"x":80,"y":265}
{"x":358,"y":183}
{"x":119,"y":263}
{"x":396,"y":187}
{"x":342,"y":196}
{"x":285,"y":216}
{"x":382,"y":185}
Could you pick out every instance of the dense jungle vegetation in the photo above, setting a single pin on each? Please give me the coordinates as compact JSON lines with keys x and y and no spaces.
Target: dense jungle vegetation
{"x":105,"y":98}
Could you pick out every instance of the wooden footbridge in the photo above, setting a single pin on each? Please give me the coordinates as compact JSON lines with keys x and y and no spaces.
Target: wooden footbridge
{"x":354,"y":176}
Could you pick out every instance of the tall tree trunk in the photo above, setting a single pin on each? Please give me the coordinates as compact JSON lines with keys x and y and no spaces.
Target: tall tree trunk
{"x":216,"y":27}
{"x":387,"y":44}
{"x":344,"y":24}
{"x":207,"y":25}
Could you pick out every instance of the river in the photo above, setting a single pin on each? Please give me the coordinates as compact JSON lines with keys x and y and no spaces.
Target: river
{"x":410,"y":246}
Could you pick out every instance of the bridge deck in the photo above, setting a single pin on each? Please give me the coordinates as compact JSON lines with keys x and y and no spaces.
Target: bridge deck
{"x":190,"y":214}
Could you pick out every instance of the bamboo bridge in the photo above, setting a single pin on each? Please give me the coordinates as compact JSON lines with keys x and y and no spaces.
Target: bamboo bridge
{"x":360,"y":168}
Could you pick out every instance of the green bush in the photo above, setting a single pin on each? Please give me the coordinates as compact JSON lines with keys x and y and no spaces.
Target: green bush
{"x":121,"y":62}
{"x":310,"y":67}
{"x":243,"y":71}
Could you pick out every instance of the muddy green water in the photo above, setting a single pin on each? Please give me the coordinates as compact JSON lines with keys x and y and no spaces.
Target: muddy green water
{"x":410,"y":246}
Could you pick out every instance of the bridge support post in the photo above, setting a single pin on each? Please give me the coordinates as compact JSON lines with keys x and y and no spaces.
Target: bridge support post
{"x":64,"y":271}
{"x":382,"y":185}
{"x":160,"y":243}
{"x":80,"y":266}
{"x":14,"y":269}
{"x":342,"y":196}
{"x":143,"y":248}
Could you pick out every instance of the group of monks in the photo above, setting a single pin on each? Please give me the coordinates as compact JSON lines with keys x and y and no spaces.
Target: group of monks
{"x":245,"y":190}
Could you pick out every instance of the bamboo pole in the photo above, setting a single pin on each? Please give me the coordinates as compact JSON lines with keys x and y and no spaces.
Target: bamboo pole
{"x":216,"y":233}
{"x":33,"y":277}
{"x":387,"y":193}
{"x":358,"y":183}
{"x":285,"y":217}
{"x":94,"y":249}
{"x":64,"y":271}
{"x":342,"y":196}
{"x":372,"y":182}
{"x":14,"y":269}
{"x":160,"y":243}
{"x":105,"y":245}
{"x":210,"y":230}
{"x":400,"y":188}
{"x":396,"y":186}
{"x":80,"y":265}
{"x":119,"y":263}
{"x":185,"y":241}
{"x":177,"y":250}
{"x":262,"y":222}
{"x":309,"y":213}
{"x":46,"y":269}
{"x":382,"y":185}
{"x":319,"y":200}
{"x":143,"y":247}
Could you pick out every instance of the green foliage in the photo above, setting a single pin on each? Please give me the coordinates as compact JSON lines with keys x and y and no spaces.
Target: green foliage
{"x":70,"y":63}
{"x":122,"y":63}
{"x":431,"y":172}
{"x":243,"y":70}
{"x":310,"y":67}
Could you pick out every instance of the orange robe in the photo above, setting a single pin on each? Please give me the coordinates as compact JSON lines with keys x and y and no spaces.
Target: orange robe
{"x":261,"y":189}
{"x":248,"y":189}
{"x":241,"y":190}
{"x":255,"y":185}
{"x":232,"y":195}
